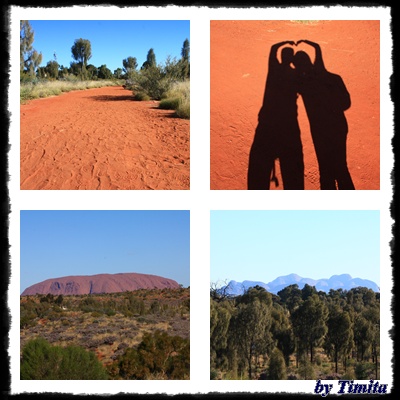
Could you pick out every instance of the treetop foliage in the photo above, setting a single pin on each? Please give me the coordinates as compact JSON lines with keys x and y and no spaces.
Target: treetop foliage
{"x":82,"y":51}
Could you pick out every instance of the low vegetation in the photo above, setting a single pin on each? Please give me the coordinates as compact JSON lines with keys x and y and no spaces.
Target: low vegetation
{"x":178,"y":99}
{"x":133,"y":335}
{"x":37,"y":89}
{"x":296,"y":334}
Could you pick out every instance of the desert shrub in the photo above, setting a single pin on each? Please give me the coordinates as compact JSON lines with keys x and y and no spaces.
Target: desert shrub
{"x":306,"y":370}
{"x":169,"y":104}
{"x":141,"y":96}
{"x":318,"y":360}
{"x":178,"y":99}
{"x":277,"y":366}
{"x":26,"y":93}
{"x":213,"y":374}
{"x":95,"y":314}
{"x":151,"y":81}
{"x":158,"y":355}
{"x":364,"y":370}
{"x":349,"y":374}
{"x":136,"y":305}
{"x":27,"y":320}
{"x":40,"y":361}
{"x":155,"y":307}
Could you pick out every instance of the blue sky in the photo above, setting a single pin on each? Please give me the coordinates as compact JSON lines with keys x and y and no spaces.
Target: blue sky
{"x":111,"y":41}
{"x":63,"y":243}
{"x":262,"y":245}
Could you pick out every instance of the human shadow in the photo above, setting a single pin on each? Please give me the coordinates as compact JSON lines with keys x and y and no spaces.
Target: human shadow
{"x":277,"y":134}
{"x":325,"y":98}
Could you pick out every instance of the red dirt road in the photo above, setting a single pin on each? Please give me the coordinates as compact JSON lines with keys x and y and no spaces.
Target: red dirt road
{"x":102,"y":139}
{"x":239,"y":67}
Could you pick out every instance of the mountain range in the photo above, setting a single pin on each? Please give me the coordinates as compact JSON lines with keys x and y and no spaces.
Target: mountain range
{"x":343,"y":281}
{"x":101,"y":283}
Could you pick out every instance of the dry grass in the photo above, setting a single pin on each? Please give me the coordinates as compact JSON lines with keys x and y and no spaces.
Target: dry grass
{"x":178,"y":99}
{"x":30,"y":91}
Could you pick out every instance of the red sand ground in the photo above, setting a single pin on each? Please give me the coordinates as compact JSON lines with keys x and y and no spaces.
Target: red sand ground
{"x":239,"y":66}
{"x":102,"y":139}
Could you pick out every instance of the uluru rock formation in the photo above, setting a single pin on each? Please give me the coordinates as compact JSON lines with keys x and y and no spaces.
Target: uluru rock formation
{"x":101,"y":283}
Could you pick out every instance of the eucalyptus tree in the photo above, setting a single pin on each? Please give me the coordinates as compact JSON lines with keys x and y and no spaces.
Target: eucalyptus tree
{"x":339,"y":334}
{"x":129,"y":65}
{"x":220,"y":316}
{"x":82,"y":52}
{"x":150,"y":60}
{"x":277,"y":366}
{"x":250,"y":328}
{"x":309,"y":323}
{"x":30,"y":59}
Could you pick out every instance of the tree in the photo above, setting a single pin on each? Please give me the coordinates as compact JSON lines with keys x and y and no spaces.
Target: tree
{"x":250,"y":329}
{"x":256,"y":292}
{"x":104,"y":72}
{"x":307,"y":291}
{"x":129,"y":65}
{"x":282,"y":331}
{"x":277,"y":366}
{"x":185,"y":60}
{"x":220,"y":316}
{"x":339,"y":334}
{"x":309,"y":323}
{"x":363,"y":336}
{"x":30,"y":59}
{"x":150,"y":61}
{"x":291,"y":297}
{"x":62,"y":72}
{"x":118,"y":73}
{"x":82,"y":52}
{"x":41,"y":72}
{"x":52,"y":69}
{"x":92,"y":72}
{"x":59,"y":299}
{"x":185,"y":50}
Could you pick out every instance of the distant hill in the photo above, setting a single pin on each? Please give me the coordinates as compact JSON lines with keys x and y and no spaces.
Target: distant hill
{"x":344,"y":281}
{"x":101,"y":283}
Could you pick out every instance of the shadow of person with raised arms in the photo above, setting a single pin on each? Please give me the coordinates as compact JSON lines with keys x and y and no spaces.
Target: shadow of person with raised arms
{"x":277,"y":134}
{"x":325,"y":98}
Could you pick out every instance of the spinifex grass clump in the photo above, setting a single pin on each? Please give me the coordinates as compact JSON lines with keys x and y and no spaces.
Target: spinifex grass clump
{"x":178,"y":99}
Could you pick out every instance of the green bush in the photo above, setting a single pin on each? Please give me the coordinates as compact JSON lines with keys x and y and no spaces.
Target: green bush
{"x":277,"y":366}
{"x":42,"y":361}
{"x":158,"y":355}
{"x":152,"y":81}
{"x":364,"y":370}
